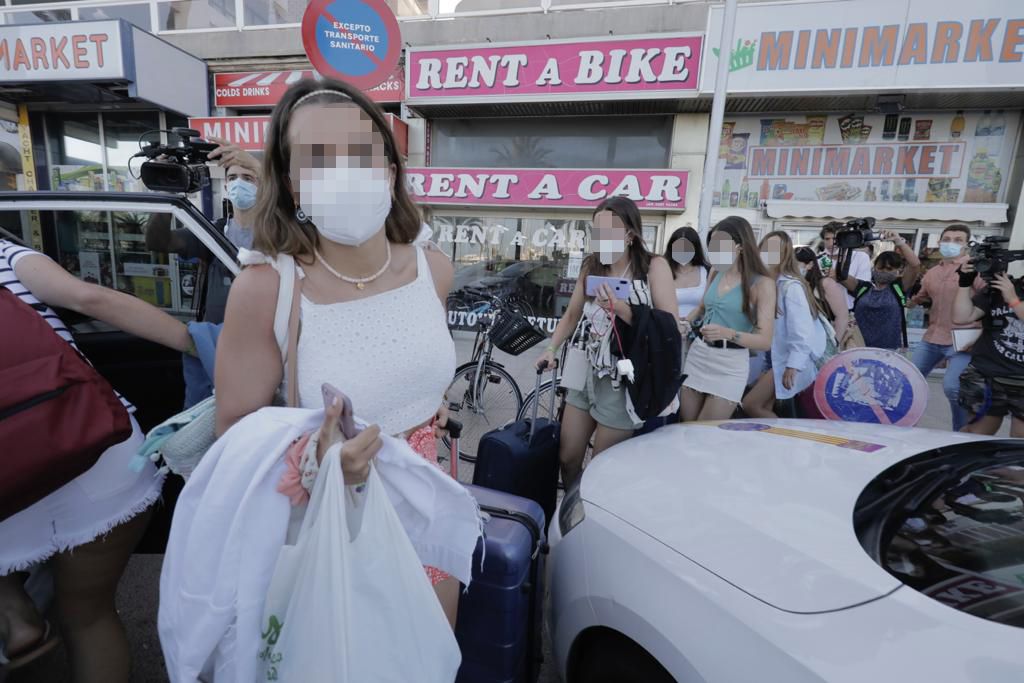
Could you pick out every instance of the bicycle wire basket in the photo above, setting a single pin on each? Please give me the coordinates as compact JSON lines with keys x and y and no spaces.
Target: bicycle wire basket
{"x":513,"y":333}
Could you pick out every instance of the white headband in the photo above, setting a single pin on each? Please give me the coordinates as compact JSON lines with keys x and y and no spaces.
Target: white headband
{"x":319,"y":92}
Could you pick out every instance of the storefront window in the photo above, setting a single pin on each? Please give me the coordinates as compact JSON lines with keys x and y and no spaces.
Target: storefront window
{"x":121,"y":133}
{"x":41,"y":17}
{"x":268,"y":12}
{"x":196,"y":14}
{"x":10,"y":157}
{"x":459,"y":6}
{"x":135,"y":14}
{"x":76,"y":157}
{"x":515,"y":257}
{"x":531,"y":260}
{"x":570,"y":142}
{"x":409,"y":8}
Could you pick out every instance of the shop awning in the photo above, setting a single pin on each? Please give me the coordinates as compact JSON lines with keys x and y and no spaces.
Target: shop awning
{"x":913,"y":211}
{"x":85,"y":62}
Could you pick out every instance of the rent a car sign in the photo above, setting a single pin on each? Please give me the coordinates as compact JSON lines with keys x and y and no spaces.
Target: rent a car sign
{"x":61,"y":52}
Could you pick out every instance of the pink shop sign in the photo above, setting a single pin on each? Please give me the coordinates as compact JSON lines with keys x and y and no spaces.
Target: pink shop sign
{"x":648,"y":67}
{"x":650,"y":189}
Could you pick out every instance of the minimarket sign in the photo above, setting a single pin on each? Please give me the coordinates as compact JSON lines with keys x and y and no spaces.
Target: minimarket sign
{"x":870,"y":44}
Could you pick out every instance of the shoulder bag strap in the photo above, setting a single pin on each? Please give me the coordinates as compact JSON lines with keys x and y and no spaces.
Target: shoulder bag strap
{"x":286,"y":322}
{"x":292,"y":357}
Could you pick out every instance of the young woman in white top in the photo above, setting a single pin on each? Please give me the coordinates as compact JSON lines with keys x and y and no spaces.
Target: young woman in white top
{"x":798,"y":337}
{"x":89,"y":527}
{"x":599,"y":410}
{"x":690,"y":267}
{"x":373,"y":323}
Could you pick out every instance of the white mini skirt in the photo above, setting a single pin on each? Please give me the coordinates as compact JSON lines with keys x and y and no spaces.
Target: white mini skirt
{"x":106,"y":495}
{"x":717,"y":371}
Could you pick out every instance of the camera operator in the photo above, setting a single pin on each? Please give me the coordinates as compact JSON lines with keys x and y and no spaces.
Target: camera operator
{"x":860,"y":264}
{"x":241,"y":183}
{"x":879,"y":304}
{"x":940,"y":286}
{"x":992,"y":386}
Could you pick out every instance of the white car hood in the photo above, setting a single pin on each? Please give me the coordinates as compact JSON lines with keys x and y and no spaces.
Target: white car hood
{"x":768,"y":511}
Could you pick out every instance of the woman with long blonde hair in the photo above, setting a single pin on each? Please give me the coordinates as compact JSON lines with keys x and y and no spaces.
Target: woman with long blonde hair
{"x":799,"y":338}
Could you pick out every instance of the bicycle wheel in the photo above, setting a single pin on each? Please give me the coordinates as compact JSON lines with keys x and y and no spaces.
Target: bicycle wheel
{"x":495,"y":405}
{"x":544,"y":411}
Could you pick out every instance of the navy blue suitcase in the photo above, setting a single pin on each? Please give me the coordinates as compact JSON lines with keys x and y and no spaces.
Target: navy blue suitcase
{"x":522,"y":458}
{"x":499,"y":624}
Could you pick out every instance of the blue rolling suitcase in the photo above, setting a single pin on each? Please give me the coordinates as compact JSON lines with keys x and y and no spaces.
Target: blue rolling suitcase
{"x":522,"y":458}
{"x":499,"y":624}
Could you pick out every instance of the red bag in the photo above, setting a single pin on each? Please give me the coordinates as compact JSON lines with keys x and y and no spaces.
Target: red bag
{"x":57,"y":414}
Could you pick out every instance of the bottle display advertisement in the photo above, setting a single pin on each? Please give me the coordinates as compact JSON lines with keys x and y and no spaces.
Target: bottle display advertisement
{"x":946,"y":157}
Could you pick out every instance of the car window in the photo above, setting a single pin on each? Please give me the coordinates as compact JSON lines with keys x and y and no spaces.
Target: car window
{"x":110,"y":248}
{"x":950,"y":524}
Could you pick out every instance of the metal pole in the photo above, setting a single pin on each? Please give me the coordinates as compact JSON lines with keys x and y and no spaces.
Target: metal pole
{"x":717,"y":114}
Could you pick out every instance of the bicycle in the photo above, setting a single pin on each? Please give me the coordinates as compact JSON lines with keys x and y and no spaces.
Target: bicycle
{"x":479,"y":302}
{"x":483,"y":395}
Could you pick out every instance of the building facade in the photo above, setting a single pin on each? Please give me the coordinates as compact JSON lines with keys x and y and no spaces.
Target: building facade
{"x":519,"y":116}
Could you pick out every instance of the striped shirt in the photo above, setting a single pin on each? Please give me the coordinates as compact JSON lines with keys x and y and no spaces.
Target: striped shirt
{"x":10,"y":254}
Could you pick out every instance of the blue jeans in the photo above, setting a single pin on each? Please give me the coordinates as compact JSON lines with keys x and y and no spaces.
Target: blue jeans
{"x":927,"y":356}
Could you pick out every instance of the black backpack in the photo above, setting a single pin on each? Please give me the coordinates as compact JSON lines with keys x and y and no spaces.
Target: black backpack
{"x":897,"y":290}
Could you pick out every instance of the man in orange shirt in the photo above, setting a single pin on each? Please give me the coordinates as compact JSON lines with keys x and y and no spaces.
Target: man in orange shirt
{"x":940,"y":285}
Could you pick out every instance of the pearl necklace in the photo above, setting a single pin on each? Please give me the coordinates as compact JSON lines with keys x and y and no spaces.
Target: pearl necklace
{"x":359,"y":282}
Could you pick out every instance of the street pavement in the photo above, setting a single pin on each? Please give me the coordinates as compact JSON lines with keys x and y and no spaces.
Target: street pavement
{"x":139,"y":590}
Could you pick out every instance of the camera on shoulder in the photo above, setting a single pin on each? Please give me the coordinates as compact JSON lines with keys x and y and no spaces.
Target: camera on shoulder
{"x":856,"y":233}
{"x":179,"y":168}
{"x":990,"y":258}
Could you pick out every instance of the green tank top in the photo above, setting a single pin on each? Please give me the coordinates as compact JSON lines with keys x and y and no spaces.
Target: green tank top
{"x":726,"y":310}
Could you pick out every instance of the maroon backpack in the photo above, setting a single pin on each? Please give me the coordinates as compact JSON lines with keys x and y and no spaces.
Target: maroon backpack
{"x":57,"y":414}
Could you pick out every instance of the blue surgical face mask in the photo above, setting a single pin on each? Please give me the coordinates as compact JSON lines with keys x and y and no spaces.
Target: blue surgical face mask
{"x":242,"y":194}
{"x":950,"y":249}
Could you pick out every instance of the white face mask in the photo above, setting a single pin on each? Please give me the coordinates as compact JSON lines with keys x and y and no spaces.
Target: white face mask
{"x":347,"y":205}
{"x":803,"y":271}
{"x":721,"y":258}
{"x":682,"y":256}
{"x":608,"y":251}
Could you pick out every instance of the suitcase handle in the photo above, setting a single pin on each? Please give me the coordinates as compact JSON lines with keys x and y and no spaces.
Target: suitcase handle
{"x":454,"y":429}
{"x":536,"y":393}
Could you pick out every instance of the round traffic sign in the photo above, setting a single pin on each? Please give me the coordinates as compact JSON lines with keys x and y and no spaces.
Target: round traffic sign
{"x":871,"y":385}
{"x":356,"y":41}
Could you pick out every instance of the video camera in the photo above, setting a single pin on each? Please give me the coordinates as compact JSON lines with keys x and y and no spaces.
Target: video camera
{"x":991,"y":259}
{"x":183,"y":166}
{"x":851,"y":236}
{"x":855,"y":233}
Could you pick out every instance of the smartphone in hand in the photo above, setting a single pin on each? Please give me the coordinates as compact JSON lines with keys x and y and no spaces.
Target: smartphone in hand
{"x":622,"y":288}
{"x":347,"y":421}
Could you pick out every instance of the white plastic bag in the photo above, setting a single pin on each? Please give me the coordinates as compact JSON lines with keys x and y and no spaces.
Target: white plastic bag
{"x":359,"y":610}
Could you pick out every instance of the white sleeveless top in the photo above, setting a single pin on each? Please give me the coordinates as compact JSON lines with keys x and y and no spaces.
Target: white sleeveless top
{"x":391,"y":353}
{"x":688,"y":298}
